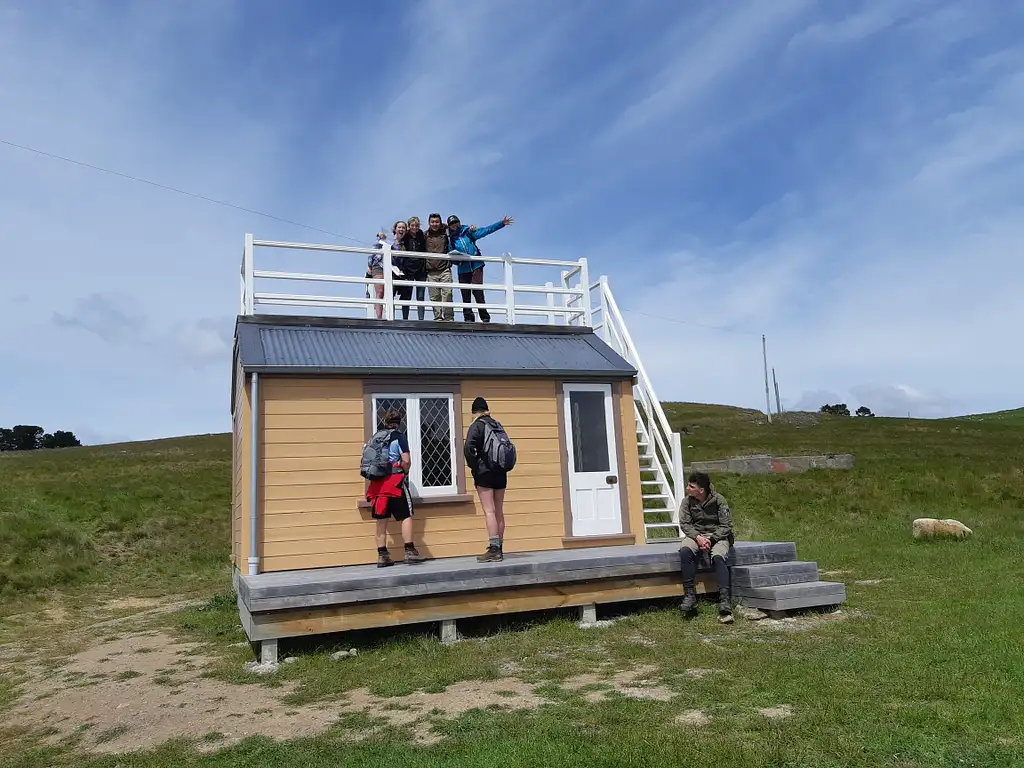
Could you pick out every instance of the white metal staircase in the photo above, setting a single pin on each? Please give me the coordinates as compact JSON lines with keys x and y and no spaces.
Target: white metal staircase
{"x":661,"y":452}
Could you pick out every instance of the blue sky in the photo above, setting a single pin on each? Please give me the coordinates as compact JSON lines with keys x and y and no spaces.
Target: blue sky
{"x":843,"y":177}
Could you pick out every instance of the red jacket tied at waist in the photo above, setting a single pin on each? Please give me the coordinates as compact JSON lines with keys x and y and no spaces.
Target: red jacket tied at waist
{"x":383,"y":489}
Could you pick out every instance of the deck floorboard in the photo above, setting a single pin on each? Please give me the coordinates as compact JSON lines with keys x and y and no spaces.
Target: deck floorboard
{"x":290,"y":590}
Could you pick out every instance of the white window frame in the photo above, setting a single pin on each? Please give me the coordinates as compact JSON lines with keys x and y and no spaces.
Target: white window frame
{"x":412,"y":420}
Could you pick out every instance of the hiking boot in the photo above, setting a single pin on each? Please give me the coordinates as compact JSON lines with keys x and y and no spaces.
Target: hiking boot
{"x":412,"y":556}
{"x":384,"y":560}
{"x":492,"y":555}
{"x":485,"y":316}
{"x":724,"y":608}
{"x":689,"y":604}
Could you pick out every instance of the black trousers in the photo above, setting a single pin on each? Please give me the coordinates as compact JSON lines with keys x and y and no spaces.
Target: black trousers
{"x":476,"y":277}
{"x":688,"y":562}
{"x":404,"y":293}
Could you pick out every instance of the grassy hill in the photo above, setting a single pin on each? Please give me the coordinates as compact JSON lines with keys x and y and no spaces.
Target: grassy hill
{"x":147,"y":515}
{"x":922,"y":668}
{"x":1010,"y":417}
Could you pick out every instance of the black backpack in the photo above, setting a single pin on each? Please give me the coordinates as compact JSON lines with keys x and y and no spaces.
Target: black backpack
{"x":375,"y":463}
{"x":499,"y":451}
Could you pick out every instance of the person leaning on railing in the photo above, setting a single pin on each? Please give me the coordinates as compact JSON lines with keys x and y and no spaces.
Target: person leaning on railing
{"x":462,"y":239}
{"x":375,"y":270}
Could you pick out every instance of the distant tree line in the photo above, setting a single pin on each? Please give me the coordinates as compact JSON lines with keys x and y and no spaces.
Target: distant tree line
{"x":840,"y":409}
{"x":30,"y":438}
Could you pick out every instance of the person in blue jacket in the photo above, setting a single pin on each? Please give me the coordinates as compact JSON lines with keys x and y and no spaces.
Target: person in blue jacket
{"x":462,"y":239}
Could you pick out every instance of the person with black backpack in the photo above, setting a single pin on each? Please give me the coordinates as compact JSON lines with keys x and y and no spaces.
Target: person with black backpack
{"x":490,"y":456}
{"x":385,"y":463}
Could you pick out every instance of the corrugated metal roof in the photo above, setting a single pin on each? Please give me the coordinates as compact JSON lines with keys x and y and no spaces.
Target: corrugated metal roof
{"x":382,"y":348}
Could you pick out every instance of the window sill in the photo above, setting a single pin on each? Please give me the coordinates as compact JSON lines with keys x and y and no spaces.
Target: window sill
{"x":459,"y":498}
{"x":599,"y":541}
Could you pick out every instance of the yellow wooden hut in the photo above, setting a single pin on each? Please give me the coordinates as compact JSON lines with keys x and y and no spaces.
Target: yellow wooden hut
{"x":592,"y":506}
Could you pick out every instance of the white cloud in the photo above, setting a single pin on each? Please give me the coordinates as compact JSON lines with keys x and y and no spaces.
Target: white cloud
{"x":900,"y":400}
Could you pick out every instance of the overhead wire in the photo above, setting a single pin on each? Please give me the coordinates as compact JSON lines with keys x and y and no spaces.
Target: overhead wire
{"x":185,"y":192}
{"x":283,"y":220}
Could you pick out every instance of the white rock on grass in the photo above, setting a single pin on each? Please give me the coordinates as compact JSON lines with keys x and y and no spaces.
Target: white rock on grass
{"x":258,"y":668}
{"x":750,"y":614}
{"x":339,"y":655}
{"x":599,"y":624}
{"x":291,"y":659}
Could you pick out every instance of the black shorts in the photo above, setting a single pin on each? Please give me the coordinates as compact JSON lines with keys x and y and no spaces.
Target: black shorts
{"x":398,"y":508}
{"x":494,"y":479}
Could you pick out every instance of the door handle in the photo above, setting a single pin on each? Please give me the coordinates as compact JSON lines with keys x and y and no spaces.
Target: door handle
{"x":611,"y":479}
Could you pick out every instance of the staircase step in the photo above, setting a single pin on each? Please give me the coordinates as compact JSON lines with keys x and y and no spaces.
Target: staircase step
{"x":760,"y":552}
{"x":789,"y":597}
{"x":774,"y":574}
{"x":656,"y":496}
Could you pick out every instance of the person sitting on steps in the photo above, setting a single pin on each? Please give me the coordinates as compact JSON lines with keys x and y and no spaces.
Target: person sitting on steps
{"x":706,"y":523}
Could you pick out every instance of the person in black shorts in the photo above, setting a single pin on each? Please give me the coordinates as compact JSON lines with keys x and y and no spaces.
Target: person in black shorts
{"x":399,"y":503}
{"x":490,"y":483}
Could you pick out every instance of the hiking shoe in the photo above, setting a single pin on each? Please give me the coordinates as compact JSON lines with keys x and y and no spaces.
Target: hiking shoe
{"x":689,"y":604}
{"x":492,"y":555}
{"x":412,"y":557}
{"x":384,"y":560}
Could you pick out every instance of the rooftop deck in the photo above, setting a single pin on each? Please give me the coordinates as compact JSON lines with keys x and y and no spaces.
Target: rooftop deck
{"x":549,"y":291}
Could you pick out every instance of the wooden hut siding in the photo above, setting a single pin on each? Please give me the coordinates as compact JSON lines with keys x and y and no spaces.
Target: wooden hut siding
{"x":313,"y":432}
{"x":240,"y":471}
{"x":629,"y":461}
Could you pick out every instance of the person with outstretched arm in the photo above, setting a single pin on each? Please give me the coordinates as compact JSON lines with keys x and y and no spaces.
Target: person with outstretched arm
{"x":462,"y":239}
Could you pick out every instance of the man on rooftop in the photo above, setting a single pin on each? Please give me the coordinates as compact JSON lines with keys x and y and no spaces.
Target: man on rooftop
{"x":462,"y":239}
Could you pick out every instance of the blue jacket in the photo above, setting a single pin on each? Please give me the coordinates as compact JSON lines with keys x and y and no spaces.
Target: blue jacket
{"x":465,"y":242}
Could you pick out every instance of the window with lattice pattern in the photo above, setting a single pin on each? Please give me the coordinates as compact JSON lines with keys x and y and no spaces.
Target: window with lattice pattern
{"x":428,"y":421}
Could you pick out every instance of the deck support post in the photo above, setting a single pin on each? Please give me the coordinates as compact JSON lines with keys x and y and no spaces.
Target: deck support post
{"x":449,"y":632}
{"x":588,"y":614}
{"x":268,"y":651}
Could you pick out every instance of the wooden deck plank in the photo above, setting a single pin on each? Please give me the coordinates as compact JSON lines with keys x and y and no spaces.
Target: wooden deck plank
{"x":644,"y":559}
{"x":323,"y":620}
{"x":451,"y":587}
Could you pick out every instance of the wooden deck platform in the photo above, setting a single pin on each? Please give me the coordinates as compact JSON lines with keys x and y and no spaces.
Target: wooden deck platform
{"x":327,"y":600}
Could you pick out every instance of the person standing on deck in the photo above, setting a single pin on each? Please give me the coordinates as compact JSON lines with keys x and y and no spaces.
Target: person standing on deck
{"x":415,"y":268}
{"x":389,"y":496}
{"x":462,"y":239}
{"x":490,"y":482}
{"x":439,"y":270}
{"x":706,"y":523}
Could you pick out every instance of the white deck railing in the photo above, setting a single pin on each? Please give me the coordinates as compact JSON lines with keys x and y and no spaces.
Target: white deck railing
{"x":566,"y":297}
{"x":562,"y":300}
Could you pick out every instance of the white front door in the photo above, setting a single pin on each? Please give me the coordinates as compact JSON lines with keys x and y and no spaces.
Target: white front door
{"x":593,"y":461}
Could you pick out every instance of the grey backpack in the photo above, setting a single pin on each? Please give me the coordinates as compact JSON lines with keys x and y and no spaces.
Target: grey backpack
{"x":499,"y":451}
{"x":375,"y":463}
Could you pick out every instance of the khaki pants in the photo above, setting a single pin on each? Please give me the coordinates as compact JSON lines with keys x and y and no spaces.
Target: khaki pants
{"x":718,"y":549}
{"x":441,"y":294}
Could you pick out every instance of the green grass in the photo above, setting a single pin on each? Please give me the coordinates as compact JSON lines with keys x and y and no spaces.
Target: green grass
{"x":921,"y":669}
{"x":1014,"y":416}
{"x":135,"y":516}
